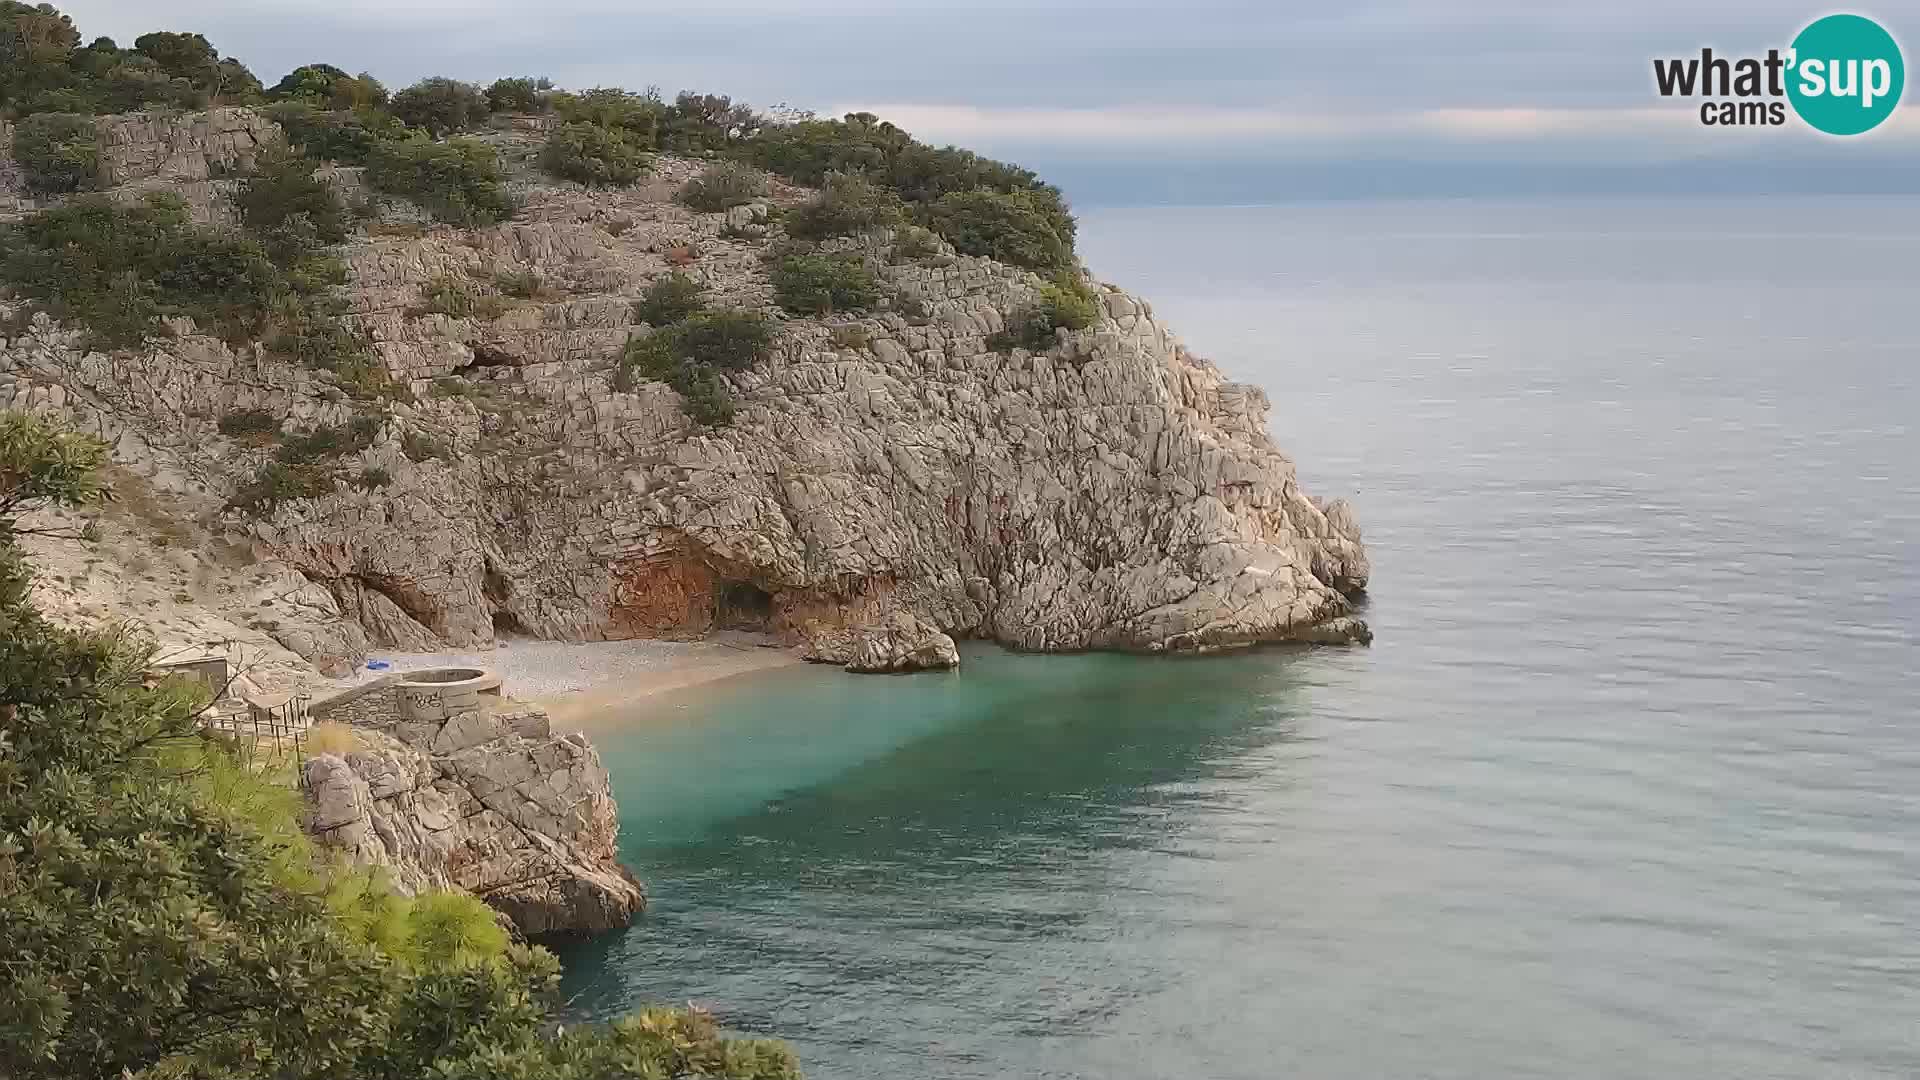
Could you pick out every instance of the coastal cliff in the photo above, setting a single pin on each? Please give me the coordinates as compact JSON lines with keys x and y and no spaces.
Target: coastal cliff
{"x":891,"y":479}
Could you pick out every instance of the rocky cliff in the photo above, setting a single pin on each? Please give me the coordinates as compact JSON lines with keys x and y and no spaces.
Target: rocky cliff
{"x":889,"y":482}
{"x":490,"y":802}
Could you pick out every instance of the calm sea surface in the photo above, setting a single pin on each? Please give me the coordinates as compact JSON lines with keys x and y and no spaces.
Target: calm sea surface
{"x":1629,"y":784}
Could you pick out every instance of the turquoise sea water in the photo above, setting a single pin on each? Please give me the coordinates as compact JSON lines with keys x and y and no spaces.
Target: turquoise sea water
{"x":1629,"y":784}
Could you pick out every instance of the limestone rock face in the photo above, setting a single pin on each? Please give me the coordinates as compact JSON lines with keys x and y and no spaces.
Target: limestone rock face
{"x":889,"y":483}
{"x":492,"y":803}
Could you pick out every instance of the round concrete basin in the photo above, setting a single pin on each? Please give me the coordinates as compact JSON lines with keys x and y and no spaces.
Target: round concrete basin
{"x":437,"y":693}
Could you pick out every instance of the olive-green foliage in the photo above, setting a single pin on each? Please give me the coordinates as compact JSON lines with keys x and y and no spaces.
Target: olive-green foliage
{"x":657,"y":356}
{"x":456,"y":297}
{"x":669,"y":299}
{"x":690,"y":355}
{"x":458,"y":181}
{"x":846,"y":205}
{"x":249,"y":423}
{"x":1066,"y":303}
{"x":692,"y":123}
{"x":441,"y":106}
{"x":810,"y":151}
{"x":293,"y":211}
{"x":43,"y":68}
{"x":594,"y":155}
{"x":117,"y":269}
{"x":703,"y":122}
{"x":727,"y":338}
{"x":166,"y":916}
{"x":342,"y":135}
{"x":815,"y":284}
{"x":1013,"y":227}
{"x":277,"y":482}
{"x":520,"y":95}
{"x":641,"y":117}
{"x":327,"y":87}
{"x":1069,"y":302}
{"x":41,"y":468}
{"x":722,"y":186}
{"x":60,"y":152}
{"x":305,"y":466}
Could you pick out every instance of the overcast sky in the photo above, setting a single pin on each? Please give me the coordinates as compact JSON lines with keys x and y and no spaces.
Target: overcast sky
{"x":1131,"y":101}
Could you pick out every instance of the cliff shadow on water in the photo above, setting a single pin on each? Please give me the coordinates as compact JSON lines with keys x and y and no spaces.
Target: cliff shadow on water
{"x":891,"y":839}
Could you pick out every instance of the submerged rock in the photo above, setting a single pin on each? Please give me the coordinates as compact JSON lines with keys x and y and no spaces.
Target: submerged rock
{"x":490,"y":802}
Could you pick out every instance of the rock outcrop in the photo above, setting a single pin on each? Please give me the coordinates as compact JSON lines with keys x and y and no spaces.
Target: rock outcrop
{"x":490,"y":802}
{"x":889,"y":483}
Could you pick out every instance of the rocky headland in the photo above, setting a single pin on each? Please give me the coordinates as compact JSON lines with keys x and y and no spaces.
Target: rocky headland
{"x":889,"y":483}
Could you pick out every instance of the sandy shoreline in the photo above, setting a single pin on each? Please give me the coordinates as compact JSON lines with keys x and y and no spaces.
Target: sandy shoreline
{"x":575,"y":680}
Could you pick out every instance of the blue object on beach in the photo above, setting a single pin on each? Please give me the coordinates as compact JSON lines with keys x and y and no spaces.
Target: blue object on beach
{"x":378,"y":665}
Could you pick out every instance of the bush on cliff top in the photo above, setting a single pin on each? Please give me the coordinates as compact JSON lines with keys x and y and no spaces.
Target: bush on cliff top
{"x":847,"y":205}
{"x":166,"y":915}
{"x":723,"y":186}
{"x":593,"y":155}
{"x":457,"y":181}
{"x":441,"y":106}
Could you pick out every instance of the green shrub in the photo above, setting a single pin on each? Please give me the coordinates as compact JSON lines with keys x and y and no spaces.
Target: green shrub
{"x":594,"y":155}
{"x":691,"y":354}
{"x":455,"y":297}
{"x":374,"y":478}
{"x":658,"y":356}
{"x":283,"y":202}
{"x":117,"y":269}
{"x":328,"y":87}
{"x":320,"y":443}
{"x":277,"y":482}
{"x":707,"y":122}
{"x":60,"y":152}
{"x":249,"y":424}
{"x":1012,"y":227}
{"x":457,"y":181}
{"x":334,"y":135}
{"x":441,"y":106}
{"x":846,"y":206}
{"x":730,"y":338}
{"x":669,"y":299}
{"x":1069,"y":302}
{"x":1066,"y":303}
{"x":520,"y":95}
{"x":817,"y":284}
{"x":916,"y":242}
{"x":723,"y":186}
{"x":641,"y":117}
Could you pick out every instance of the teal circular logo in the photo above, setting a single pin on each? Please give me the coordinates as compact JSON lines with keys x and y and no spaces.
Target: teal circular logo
{"x":1845,"y":74}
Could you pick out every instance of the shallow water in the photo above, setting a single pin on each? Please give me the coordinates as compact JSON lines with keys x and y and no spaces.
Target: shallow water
{"x":1629,"y":783}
